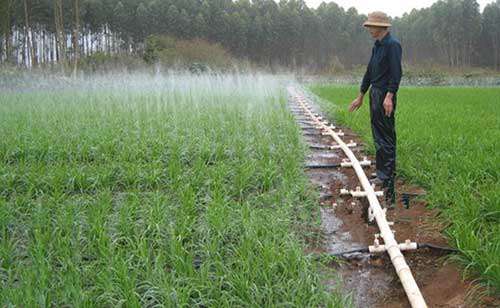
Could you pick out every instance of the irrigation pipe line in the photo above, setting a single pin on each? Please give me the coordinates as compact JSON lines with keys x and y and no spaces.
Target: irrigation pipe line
{"x":390,"y":245}
{"x":370,"y":249}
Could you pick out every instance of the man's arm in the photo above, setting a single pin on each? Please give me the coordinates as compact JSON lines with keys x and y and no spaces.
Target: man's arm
{"x":365,"y":85}
{"x":395,"y":55}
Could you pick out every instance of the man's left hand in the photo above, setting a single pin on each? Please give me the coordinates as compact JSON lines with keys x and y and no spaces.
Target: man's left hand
{"x":388,"y":106}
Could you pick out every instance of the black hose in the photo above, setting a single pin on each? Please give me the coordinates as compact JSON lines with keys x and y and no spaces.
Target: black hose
{"x":436,"y":247}
{"x":319,"y":147}
{"x":326,"y":166}
{"x":419,"y":246}
{"x":359,"y":250}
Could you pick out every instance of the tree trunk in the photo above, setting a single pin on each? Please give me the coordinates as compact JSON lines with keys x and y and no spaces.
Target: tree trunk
{"x":60,"y":47}
{"x":8,"y":32}
{"x":88,"y":36}
{"x":36,"y":49}
{"x":30,"y":55}
{"x":57,"y":50}
{"x":19,"y":52}
{"x":42,"y":47}
{"x":76,"y":31}
{"x":496,"y":56}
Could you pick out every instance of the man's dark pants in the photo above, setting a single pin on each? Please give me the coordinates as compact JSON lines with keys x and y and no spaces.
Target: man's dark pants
{"x":384,"y":135}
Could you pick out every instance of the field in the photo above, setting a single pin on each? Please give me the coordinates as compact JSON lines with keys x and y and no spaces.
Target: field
{"x":160,"y":191}
{"x":186,"y":191}
{"x":449,"y":143}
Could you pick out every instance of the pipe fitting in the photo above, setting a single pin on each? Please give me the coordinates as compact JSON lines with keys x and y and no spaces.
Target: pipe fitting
{"x":377,"y":248}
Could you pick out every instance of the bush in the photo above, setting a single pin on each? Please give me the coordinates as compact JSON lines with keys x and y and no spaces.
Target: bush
{"x":196,"y":55}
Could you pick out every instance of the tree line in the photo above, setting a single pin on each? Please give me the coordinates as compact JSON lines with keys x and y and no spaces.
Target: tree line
{"x":287,"y":33}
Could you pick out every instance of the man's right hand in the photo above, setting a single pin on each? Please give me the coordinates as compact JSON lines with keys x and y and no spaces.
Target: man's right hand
{"x":356,"y":104}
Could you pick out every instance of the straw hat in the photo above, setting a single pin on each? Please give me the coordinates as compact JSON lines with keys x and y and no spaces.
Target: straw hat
{"x":377,"y":19}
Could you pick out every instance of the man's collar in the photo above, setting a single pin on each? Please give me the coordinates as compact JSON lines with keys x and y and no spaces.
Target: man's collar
{"x":384,"y":39}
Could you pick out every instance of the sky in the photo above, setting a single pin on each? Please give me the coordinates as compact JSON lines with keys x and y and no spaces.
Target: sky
{"x":392,"y":7}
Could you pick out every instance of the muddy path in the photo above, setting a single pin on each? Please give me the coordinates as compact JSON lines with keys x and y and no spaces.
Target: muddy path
{"x":371,"y":279}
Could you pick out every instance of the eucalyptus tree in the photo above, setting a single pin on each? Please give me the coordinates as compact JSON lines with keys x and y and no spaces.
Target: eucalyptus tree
{"x":268,"y":32}
{"x":491,"y":30}
{"x":6,"y":22}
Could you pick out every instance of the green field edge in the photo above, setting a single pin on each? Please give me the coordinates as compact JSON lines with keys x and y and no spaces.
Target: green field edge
{"x":471,"y":217}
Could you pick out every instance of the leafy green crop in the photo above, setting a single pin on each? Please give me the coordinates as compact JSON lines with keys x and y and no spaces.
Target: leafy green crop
{"x":181,"y":191}
{"x":448,"y":142}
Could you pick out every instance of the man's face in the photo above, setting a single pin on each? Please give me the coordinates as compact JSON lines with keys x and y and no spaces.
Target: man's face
{"x":376,"y":32}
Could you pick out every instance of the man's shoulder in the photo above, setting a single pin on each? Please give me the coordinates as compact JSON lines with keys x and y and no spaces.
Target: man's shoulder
{"x":393,"y":41}
{"x":394,"y":44}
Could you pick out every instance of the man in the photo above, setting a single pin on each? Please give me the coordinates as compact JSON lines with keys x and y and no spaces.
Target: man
{"x":383,"y":74}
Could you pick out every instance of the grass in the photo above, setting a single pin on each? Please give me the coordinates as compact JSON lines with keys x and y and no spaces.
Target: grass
{"x":448,"y":142}
{"x":178,"y":191}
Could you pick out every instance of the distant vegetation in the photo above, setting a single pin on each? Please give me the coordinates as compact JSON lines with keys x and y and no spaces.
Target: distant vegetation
{"x":268,"y":33}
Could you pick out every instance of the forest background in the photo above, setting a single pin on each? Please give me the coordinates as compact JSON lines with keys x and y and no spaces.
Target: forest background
{"x":200,"y":34}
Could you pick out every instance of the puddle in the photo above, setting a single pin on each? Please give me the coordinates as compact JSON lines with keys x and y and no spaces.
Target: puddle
{"x":318,"y":155}
{"x":336,"y":240}
{"x":325,"y":178}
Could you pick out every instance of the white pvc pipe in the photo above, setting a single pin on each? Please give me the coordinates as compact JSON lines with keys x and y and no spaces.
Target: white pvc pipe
{"x":339,"y":133}
{"x":359,"y":193}
{"x":391,"y":246}
{"x":403,"y":246}
{"x":351,"y":145}
{"x":364,"y":163}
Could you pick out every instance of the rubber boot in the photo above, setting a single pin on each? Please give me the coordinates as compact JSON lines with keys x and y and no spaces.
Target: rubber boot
{"x":390,"y":194}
